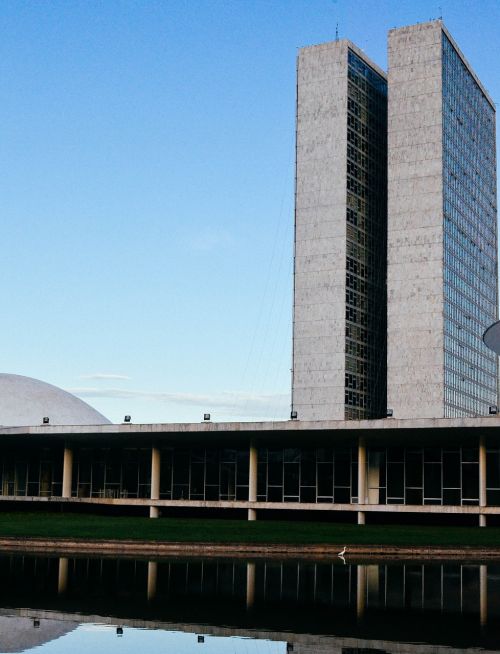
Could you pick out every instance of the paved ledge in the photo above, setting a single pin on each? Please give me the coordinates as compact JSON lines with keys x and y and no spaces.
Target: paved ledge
{"x":160,"y":549}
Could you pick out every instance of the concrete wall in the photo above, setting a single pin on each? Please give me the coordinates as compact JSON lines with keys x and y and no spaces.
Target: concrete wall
{"x":320,"y":233}
{"x":415,"y":341}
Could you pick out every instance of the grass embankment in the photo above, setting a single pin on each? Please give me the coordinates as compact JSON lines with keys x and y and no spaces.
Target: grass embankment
{"x":95,"y":527}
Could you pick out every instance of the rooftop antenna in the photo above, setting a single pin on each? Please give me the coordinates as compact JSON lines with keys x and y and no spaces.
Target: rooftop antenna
{"x":440,"y":12}
{"x":337,"y":32}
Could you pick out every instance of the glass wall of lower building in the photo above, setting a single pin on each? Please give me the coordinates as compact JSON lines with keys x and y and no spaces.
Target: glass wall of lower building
{"x":320,"y":474}
{"x":199,"y":473}
{"x":493,"y":477}
{"x":112,"y":473}
{"x":446,"y":476}
{"x":394,"y":475}
{"x":418,"y":476}
{"x":35,"y":472}
{"x":185,"y":473}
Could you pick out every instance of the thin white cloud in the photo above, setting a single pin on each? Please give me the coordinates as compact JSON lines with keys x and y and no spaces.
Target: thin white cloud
{"x":106,"y":376}
{"x":208,"y":239}
{"x":230,"y":402}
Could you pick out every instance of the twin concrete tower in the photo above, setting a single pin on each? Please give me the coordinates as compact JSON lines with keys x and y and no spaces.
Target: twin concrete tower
{"x":395,"y":232}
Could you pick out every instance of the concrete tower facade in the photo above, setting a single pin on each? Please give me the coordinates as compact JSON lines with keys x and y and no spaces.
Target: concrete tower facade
{"x":442,"y":235}
{"x":339,"y":332}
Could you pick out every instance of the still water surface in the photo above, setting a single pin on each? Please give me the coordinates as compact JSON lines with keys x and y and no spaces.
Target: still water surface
{"x":54,"y":605}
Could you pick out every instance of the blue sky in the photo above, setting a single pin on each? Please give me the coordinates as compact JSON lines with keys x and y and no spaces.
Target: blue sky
{"x":146,"y":190}
{"x":102,"y":639}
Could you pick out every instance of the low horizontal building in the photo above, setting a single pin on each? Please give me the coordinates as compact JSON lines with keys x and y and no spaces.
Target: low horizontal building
{"x":446,"y":467}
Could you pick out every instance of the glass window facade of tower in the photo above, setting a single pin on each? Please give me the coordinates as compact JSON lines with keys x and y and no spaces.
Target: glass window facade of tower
{"x":366,"y":259}
{"x":470,"y":239}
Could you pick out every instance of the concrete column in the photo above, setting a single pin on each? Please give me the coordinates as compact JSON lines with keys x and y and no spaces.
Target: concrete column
{"x":152,"y":579}
{"x":482,"y":479}
{"x":252,"y":479}
{"x":483,"y":595}
{"x":62,"y":579}
{"x":361,"y":479}
{"x":361,"y":591}
{"x":250,"y":585}
{"x":155,"y":481}
{"x":67,"y":472}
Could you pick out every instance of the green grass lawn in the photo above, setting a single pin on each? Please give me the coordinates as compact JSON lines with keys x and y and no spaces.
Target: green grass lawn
{"x":96,"y":527}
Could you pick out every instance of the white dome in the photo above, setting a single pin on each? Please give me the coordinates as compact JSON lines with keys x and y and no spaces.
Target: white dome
{"x":24,"y":402}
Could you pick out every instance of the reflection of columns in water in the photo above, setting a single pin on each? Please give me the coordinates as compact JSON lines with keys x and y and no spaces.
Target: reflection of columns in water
{"x":483,"y":595}
{"x":482,"y":479}
{"x":250,"y":585}
{"x":361,"y":479}
{"x":155,"y":481}
{"x":152,"y":579}
{"x":67,"y":472}
{"x":62,"y":578}
{"x":361,"y":591}
{"x":372,"y":585}
{"x":252,"y":479}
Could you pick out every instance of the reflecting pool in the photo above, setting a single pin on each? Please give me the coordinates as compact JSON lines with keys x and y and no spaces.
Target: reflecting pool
{"x":204,"y":606}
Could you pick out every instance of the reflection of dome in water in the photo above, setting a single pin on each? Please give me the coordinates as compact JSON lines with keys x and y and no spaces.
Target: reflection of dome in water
{"x":19,"y":634}
{"x":25,"y":402}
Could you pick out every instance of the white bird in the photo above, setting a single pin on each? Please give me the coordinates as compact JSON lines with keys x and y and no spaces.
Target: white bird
{"x":343,"y":551}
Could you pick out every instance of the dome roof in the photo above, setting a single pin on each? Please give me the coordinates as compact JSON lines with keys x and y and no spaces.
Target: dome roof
{"x":24,"y":402}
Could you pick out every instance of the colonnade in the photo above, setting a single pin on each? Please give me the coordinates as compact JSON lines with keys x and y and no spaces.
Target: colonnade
{"x":252,"y":485}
